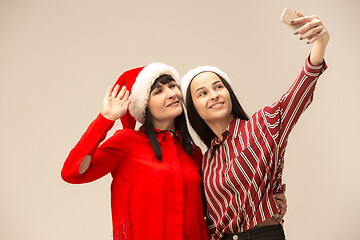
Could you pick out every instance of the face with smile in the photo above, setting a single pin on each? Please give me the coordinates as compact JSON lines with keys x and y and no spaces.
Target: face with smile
{"x":165,"y":105}
{"x":211,"y":98}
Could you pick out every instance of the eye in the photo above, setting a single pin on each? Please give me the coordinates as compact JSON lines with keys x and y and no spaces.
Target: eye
{"x":202,"y":93}
{"x":219,"y":86}
{"x":172,"y":85}
{"x":157,"y":91}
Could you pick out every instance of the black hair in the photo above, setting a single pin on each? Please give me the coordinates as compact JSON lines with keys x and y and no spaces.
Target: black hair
{"x":180,"y":125}
{"x":198,"y":124}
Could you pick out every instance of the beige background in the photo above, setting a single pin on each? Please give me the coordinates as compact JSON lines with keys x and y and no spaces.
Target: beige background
{"x":58,"y":58}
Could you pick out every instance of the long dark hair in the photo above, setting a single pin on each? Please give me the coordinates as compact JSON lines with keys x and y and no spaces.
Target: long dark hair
{"x":198,"y":124}
{"x":180,"y":125}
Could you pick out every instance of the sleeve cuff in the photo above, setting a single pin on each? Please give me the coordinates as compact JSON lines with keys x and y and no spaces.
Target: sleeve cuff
{"x":104,"y":120}
{"x":101,"y":125}
{"x":95,"y":133}
{"x":314,"y":70}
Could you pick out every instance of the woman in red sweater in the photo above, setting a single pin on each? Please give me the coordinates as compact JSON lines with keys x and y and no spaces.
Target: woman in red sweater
{"x":155,"y":192}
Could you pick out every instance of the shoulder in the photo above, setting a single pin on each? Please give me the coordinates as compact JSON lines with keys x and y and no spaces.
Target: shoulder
{"x":207,"y":152}
{"x":127,"y":132}
{"x":197,"y":154}
{"x":122,"y":138}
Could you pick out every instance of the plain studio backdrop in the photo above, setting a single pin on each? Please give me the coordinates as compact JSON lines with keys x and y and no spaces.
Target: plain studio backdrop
{"x":58,"y":58}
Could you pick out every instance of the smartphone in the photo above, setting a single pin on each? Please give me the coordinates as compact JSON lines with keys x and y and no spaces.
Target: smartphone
{"x":289,"y":15}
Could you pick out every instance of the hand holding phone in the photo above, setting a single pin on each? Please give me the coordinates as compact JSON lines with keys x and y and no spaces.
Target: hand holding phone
{"x":289,"y":15}
{"x":310,"y":28}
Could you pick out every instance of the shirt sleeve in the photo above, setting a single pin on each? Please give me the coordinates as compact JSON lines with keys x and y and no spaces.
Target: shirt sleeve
{"x":281,"y":116}
{"x":102,"y":161}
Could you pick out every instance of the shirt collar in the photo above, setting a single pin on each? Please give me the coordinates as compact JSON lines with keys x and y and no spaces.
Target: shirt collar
{"x":161,"y":134}
{"x":228,"y":132}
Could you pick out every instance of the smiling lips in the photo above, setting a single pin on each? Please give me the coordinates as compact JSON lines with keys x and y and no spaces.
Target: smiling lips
{"x":216,"y":105}
{"x":173,"y":103}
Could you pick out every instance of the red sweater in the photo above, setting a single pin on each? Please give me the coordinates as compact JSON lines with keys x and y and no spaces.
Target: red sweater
{"x":149,"y":199}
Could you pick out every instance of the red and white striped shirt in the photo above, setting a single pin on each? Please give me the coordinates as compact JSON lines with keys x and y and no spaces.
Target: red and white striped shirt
{"x":244,"y":170}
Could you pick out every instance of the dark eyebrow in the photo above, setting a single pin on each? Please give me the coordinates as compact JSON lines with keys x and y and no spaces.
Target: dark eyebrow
{"x":214,"y":83}
{"x":159,"y":86}
{"x":199,"y":89}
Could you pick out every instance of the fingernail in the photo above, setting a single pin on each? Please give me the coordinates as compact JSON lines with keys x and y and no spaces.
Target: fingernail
{"x":292,"y":21}
{"x":308,"y":43}
{"x":296,"y":32}
{"x":301,"y":38}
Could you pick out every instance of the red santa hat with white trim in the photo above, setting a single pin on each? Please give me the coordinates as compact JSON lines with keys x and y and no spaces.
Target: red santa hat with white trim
{"x":138,"y":82}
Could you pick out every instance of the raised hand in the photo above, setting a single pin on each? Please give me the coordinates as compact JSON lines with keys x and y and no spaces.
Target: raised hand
{"x":313,"y":29}
{"x":115,"y":103}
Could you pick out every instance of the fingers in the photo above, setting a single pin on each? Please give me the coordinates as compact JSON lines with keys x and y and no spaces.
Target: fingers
{"x":312,"y":30}
{"x":280,"y":197}
{"x":124,"y":101}
{"x":309,"y":26}
{"x":115,"y":91}
{"x":125,"y":96}
{"x":116,"y":94}
{"x":280,"y":203}
{"x":317,"y":36}
{"x":306,"y":24}
{"x":303,"y":20}
{"x":281,"y":200}
{"x":282,"y":212}
{"x":299,"y":14}
{"x":282,"y":206}
{"x":121,"y":93}
{"x":108,"y":91}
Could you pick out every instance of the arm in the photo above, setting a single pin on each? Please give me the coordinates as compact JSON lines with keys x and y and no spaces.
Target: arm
{"x":283,"y":114}
{"x":113,"y":108}
{"x":86,"y":153}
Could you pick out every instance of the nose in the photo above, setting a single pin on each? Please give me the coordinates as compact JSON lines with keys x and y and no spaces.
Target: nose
{"x":213,"y":95}
{"x":170,"y":93}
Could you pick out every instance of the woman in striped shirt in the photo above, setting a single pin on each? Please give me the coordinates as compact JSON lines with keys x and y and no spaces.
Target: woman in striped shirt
{"x":242,"y":168}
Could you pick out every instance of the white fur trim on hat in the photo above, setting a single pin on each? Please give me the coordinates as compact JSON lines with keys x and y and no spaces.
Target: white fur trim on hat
{"x":141,"y":89}
{"x":186,"y":79}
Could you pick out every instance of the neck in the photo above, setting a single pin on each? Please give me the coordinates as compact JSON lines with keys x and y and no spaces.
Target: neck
{"x":164,"y":125}
{"x":218,"y":127}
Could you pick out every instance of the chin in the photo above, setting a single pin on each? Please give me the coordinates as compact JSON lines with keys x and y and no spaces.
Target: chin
{"x":221,"y":116}
{"x":176,"y":112}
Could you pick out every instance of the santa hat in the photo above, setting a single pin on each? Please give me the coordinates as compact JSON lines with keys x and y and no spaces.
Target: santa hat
{"x":186,"y":79}
{"x":138,"y":82}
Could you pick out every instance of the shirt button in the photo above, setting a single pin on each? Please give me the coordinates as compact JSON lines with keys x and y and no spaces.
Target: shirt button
{"x":235,"y":237}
